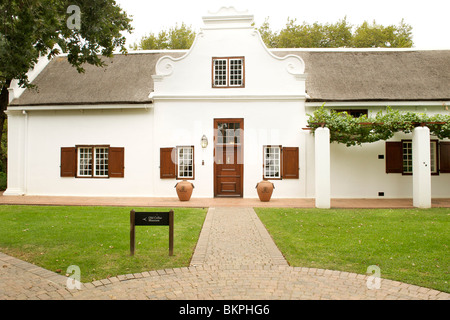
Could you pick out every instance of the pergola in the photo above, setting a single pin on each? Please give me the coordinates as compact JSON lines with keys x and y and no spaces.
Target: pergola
{"x":421,"y":166}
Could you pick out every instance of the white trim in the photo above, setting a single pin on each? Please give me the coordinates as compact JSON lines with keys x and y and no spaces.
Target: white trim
{"x":355,"y":49}
{"x":228,"y":97}
{"x":81,"y":107}
{"x":375,"y":103}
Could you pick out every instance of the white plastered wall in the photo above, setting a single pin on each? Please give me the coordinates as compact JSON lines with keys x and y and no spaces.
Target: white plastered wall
{"x":35,"y":140}
{"x":176,"y":127}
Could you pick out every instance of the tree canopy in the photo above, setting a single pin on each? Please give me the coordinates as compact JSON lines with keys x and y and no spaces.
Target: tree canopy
{"x":337,"y":35}
{"x":178,"y":37}
{"x":294,"y":35}
{"x":30,"y":29}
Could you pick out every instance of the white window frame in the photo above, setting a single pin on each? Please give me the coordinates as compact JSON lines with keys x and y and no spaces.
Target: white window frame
{"x":272,"y":162}
{"x":220,"y":73}
{"x":84,"y":161}
{"x":434,"y":156}
{"x":238,"y":77}
{"x":185,"y":159}
{"x":227,"y":76}
{"x":101,"y":162}
{"x":408,"y":159}
{"x":96,"y":164}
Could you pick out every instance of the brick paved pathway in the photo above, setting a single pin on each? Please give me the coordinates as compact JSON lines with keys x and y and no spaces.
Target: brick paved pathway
{"x":235,"y":259}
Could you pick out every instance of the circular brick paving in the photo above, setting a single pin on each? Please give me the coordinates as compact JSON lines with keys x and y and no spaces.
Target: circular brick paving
{"x":235,"y":258}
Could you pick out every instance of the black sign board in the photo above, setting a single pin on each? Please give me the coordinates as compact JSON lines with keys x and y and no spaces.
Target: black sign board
{"x":151,"y":219}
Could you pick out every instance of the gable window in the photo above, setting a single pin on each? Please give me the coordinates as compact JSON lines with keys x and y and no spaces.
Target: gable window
{"x":280,"y":162}
{"x":228,"y":72}
{"x":92,"y":162}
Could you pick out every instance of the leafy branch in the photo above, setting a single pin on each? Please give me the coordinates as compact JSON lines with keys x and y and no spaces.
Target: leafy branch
{"x":358,"y":130}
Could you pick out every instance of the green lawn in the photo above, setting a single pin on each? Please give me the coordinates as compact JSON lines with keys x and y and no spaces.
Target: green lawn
{"x":97,"y":239}
{"x":409,"y":245}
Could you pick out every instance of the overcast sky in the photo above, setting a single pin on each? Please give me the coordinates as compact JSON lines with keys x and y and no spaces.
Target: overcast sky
{"x":429,"y":19}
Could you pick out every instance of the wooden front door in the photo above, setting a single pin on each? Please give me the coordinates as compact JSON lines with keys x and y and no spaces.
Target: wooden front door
{"x":228,"y":157}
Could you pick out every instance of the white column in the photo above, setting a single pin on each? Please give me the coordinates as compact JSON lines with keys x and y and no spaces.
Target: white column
{"x":16,"y":149}
{"x":421,"y":167}
{"x":322,"y":167}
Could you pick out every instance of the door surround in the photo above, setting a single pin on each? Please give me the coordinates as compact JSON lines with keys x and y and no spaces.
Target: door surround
{"x":228,"y":157}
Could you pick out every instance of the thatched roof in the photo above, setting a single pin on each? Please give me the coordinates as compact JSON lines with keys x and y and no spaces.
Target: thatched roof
{"x":365,"y":75}
{"x":125,"y":79}
{"x":371,"y":75}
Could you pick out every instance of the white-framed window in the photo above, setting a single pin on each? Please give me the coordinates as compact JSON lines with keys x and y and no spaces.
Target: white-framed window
{"x":433,"y":156}
{"x":220,"y":72}
{"x":408,"y":159}
{"x":228,"y":72}
{"x":84,"y":162}
{"x":185,"y":162}
{"x":236,"y":72}
{"x":101,"y":161}
{"x":272,"y":162}
{"x":93,"y":161}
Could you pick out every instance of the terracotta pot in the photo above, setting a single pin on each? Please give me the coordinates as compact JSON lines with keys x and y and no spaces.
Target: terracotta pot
{"x":184,"y":190}
{"x":265,"y":189}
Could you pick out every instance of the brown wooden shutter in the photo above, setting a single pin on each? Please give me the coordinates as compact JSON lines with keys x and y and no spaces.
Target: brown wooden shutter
{"x":444,"y":159}
{"x":166,"y":164}
{"x":68,"y":161}
{"x":116,"y":164}
{"x":394,"y":157}
{"x":290,"y":163}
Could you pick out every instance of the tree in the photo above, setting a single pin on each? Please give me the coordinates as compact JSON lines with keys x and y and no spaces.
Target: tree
{"x":175,"y":38}
{"x":315,"y":35}
{"x":30,"y":29}
{"x":373,"y":36}
{"x":337,"y":35}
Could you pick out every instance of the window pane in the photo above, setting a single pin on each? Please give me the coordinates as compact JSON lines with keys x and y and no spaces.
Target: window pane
{"x":236,"y":66}
{"x":228,"y":72}
{"x":185,"y":162}
{"x":272,"y":162}
{"x":84,"y":162}
{"x":407,"y":157}
{"x":408,"y":160}
{"x":101,"y":162}
{"x":433,"y":156}
{"x":220,"y":72}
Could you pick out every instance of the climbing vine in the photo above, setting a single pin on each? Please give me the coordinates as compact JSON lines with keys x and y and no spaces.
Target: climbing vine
{"x":357,"y":130}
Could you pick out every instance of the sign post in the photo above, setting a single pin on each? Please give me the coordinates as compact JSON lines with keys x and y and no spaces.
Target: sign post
{"x":150,"y":219}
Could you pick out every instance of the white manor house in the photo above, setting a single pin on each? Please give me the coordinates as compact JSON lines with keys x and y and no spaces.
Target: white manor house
{"x":226,"y":114}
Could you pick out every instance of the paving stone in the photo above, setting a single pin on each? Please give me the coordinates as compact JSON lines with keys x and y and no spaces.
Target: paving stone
{"x":235,"y":258}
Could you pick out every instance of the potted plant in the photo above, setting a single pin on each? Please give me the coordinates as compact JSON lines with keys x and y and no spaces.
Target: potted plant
{"x":184,"y":190}
{"x":265,"y":189}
